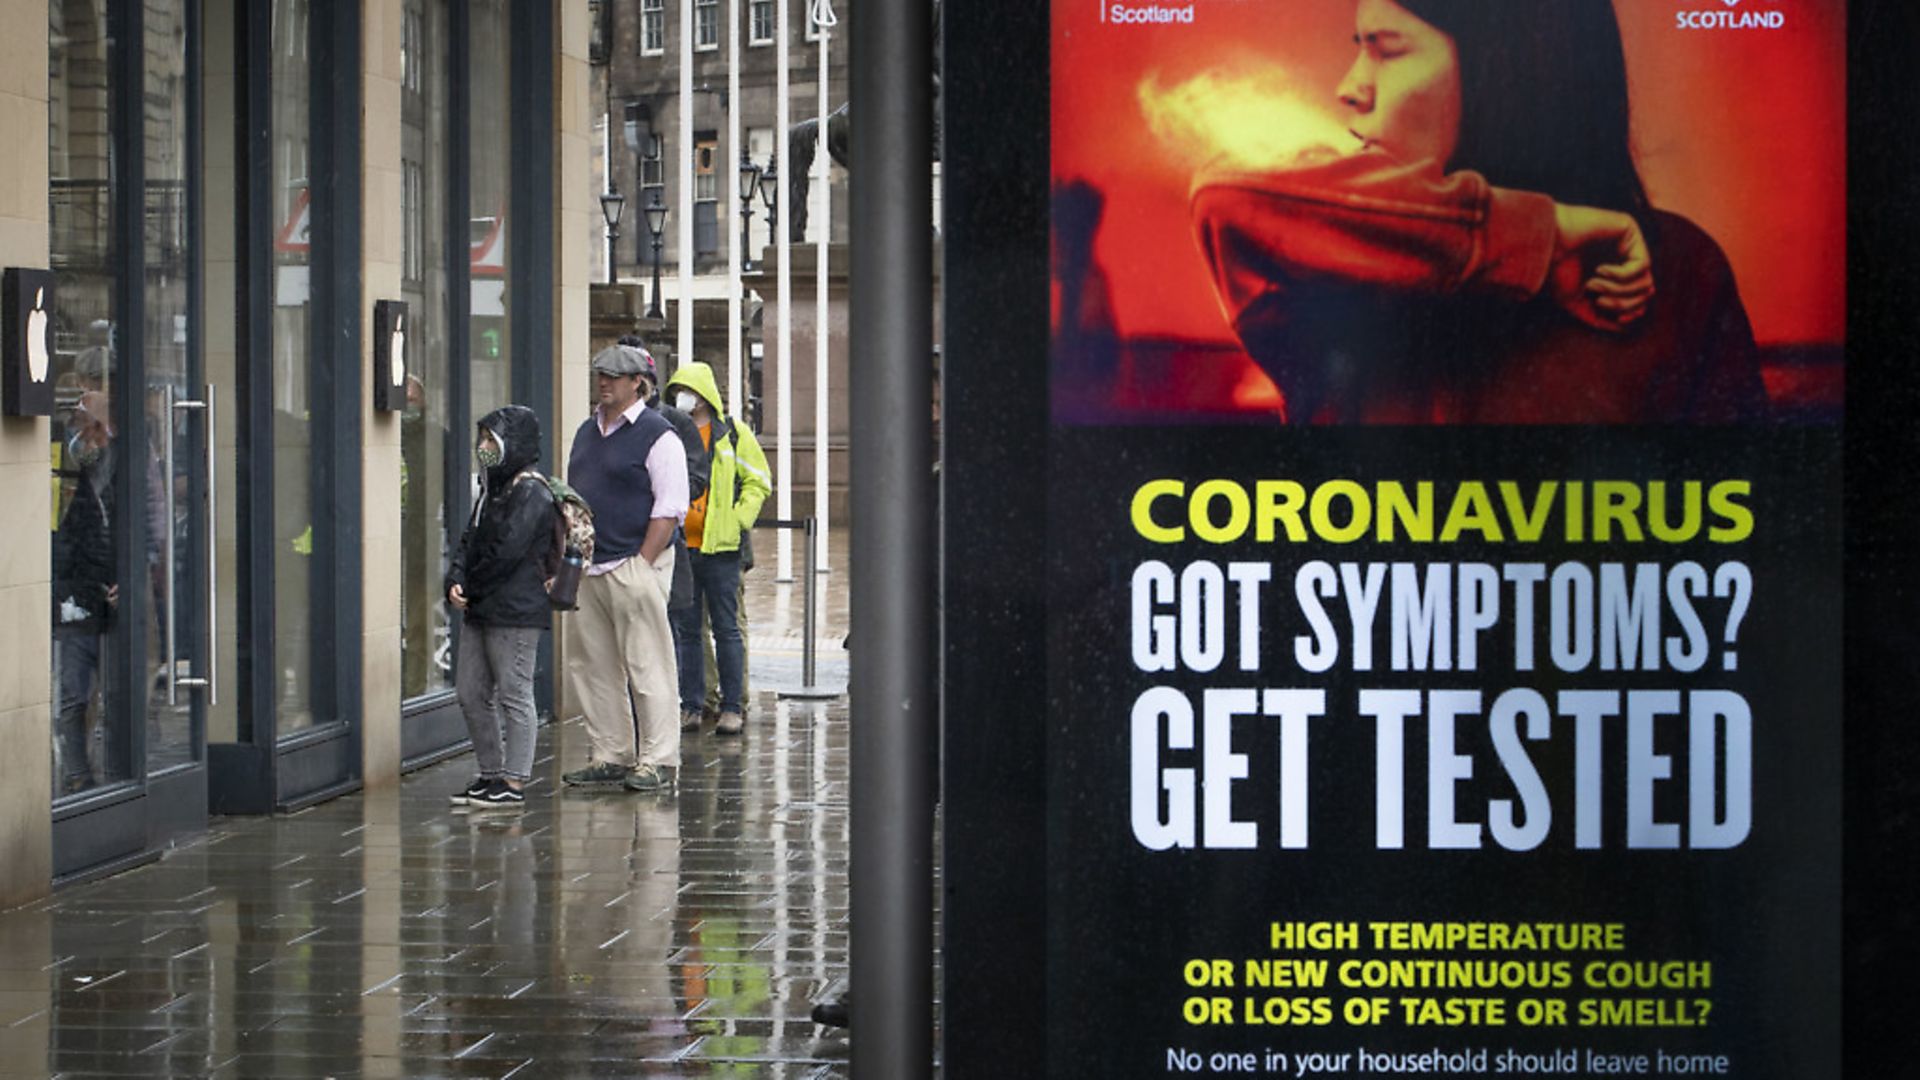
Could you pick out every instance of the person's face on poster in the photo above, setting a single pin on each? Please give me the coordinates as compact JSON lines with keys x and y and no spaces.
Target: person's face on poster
{"x":1404,"y":85}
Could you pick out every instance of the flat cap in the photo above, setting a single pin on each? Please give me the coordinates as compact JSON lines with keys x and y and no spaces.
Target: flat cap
{"x":624,"y":360}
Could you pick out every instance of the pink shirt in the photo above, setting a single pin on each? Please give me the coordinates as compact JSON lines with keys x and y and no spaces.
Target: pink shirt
{"x":666,"y":472}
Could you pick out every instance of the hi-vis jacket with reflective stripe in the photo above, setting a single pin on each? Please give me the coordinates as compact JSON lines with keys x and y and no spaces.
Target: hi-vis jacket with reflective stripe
{"x":738,"y":480}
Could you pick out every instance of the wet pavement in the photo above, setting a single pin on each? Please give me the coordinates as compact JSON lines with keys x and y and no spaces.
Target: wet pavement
{"x":389,"y":934}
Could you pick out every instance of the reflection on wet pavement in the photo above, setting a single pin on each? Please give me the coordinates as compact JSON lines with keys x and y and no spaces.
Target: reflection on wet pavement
{"x":389,"y":934}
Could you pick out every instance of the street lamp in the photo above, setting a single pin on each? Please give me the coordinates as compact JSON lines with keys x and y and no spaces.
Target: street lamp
{"x":612,"y":204}
{"x":656,"y":224}
{"x":749,"y":181}
{"x":770,"y":195}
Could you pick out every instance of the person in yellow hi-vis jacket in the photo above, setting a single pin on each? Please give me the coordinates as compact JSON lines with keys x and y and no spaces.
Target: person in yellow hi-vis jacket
{"x":738,"y":482}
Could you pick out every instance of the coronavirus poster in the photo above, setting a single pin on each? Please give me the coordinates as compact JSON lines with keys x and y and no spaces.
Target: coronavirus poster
{"x":1443,"y":538}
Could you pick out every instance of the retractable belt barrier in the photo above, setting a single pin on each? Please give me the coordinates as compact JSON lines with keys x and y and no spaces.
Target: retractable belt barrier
{"x":811,"y":527}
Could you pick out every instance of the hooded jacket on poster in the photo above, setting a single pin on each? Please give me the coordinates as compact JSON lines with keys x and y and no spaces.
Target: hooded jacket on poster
{"x":738,"y":480}
{"x":1374,"y":291}
{"x":503,"y":557}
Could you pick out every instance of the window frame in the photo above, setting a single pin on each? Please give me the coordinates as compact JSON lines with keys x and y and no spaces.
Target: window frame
{"x":706,"y":16}
{"x":653,"y":26}
{"x":754,"y":10}
{"x":653,"y":157}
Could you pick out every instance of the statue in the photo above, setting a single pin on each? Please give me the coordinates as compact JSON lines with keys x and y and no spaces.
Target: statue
{"x":803,"y":140}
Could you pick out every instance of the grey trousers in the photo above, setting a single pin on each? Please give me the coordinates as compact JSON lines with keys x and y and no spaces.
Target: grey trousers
{"x":79,"y":662}
{"x":494,"y":679}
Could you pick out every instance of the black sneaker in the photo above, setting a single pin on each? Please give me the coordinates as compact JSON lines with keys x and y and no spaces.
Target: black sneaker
{"x":832,"y":1013}
{"x":598,"y":774}
{"x":471,"y":793}
{"x":498,"y":796}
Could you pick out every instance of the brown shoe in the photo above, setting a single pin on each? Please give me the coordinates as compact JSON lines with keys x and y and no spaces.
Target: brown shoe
{"x":730,"y":723}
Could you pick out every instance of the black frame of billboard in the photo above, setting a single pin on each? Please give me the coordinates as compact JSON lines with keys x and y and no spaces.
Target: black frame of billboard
{"x":995,"y":423}
{"x":994,"y":418}
{"x":1882,"y":574}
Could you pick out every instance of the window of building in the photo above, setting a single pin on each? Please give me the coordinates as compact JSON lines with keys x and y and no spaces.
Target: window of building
{"x":296,"y":639}
{"x":706,"y":194}
{"x":489,"y":187}
{"x":653,"y":175}
{"x":760,"y":22}
{"x":706,"y":153}
{"x":706,"y":24}
{"x":413,"y":236}
{"x":91,"y":743}
{"x":427,"y":508}
{"x":653,"y":27}
{"x":411,"y":23}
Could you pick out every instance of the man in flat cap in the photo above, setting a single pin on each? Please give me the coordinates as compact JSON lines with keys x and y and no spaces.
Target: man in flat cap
{"x":631,"y":468}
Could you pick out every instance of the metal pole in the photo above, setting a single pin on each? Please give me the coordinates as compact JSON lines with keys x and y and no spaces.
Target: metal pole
{"x":746,"y":229}
{"x":606,"y":157}
{"x":736,"y":259}
{"x":653,"y":307}
{"x":808,"y":690}
{"x":783,"y":353}
{"x":824,"y":20}
{"x":893,"y":693}
{"x":683,"y":259}
{"x":806,"y":608}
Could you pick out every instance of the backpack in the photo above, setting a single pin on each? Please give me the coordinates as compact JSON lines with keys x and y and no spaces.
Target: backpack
{"x":572,"y":519}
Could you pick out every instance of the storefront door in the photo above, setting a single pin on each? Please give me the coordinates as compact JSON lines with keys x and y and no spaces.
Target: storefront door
{"x":131,"y":675}
{"x":286,"y":241}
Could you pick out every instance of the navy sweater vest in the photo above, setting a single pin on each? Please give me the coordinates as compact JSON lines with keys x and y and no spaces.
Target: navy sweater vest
{"x":610,"y":472}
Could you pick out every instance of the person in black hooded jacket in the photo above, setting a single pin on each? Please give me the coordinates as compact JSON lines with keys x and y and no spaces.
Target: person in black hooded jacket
{"x":86,"y":594}
{"x":498,"y":578}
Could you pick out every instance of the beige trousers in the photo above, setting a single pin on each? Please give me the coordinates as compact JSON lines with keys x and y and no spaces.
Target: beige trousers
{"x":621,"y":667}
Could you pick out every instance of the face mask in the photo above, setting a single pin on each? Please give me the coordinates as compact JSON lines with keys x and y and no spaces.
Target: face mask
{"x":88,"y":456}
{"x":686,"y":401}
{"x":488,"y":455}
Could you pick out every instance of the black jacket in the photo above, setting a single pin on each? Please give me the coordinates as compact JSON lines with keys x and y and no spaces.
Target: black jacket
{"x":83,"y":554}
{"x":689,"y":433}
{"x":503,"y":559}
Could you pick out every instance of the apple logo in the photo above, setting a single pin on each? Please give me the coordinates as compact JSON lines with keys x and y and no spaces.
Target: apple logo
{"x":397,"y":351}
{"x":37,"y":338}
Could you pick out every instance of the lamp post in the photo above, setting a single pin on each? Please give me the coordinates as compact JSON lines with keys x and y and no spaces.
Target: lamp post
{"x":612,"y":204}
{"x":770,"y":195}
{"x":749,"y":182}
{"x":656,"y":224}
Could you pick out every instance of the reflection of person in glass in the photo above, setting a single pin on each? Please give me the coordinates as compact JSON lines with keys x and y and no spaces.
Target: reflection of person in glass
{"x":85,"y":594}
{"x":1484,"y":251}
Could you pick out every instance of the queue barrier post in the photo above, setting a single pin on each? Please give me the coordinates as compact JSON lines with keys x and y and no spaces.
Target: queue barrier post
{"x":808,"y":690}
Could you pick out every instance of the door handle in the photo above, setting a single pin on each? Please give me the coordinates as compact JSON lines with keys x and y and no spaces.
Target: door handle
{"x":168,"y":406}
{"x":211,"y":681}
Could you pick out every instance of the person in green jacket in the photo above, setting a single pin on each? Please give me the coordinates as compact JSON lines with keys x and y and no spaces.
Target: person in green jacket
{"x":738,"y":482}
